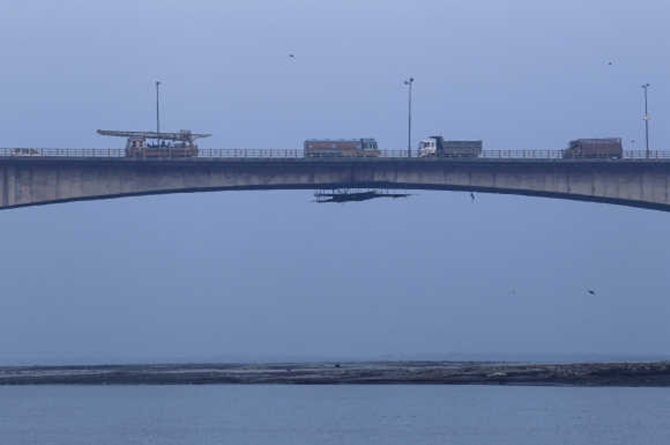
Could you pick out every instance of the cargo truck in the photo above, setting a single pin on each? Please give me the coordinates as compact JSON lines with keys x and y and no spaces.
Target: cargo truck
{"x":364,"y":147}
{"x":436,"y":146}
{"x":603,"y":148}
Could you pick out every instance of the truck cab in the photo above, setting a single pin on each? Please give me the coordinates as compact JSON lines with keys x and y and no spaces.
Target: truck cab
{"x":428,"y":147}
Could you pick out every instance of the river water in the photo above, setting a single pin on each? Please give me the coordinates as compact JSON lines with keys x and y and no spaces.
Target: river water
{"x":330,"y":415}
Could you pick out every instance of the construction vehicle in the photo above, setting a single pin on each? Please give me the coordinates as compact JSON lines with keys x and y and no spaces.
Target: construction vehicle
{"x":151,"y":144}
{"x":365,"y":147}
{"x":436,"y":146}
{"x":26,"y":152}
{"x":603,"y":148}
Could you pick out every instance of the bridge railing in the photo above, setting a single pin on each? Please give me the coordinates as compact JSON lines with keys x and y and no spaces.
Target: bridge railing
{"x":642,"y":154}
{"x":24,"y":152}
{"x":264,"y":153}
{"x":227,"y":153}
{"x":560,"y":154}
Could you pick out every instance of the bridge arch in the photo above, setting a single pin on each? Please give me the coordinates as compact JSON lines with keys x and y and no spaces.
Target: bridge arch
{"x":635,"y":183}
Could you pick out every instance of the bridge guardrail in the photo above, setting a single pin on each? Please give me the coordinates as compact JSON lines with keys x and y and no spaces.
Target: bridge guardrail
{"x":30,"y":152}
{"x":265,"y":153}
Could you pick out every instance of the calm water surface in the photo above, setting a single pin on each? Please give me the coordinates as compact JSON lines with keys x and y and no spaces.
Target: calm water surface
{"x":273,"y":414}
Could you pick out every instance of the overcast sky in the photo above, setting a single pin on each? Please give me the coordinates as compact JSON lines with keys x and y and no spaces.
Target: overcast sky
{"x":272,"y":275}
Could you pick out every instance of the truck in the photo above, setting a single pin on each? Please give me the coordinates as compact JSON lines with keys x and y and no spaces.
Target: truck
{"x":319,"y":148}
{"x":602,"y":148}
{"x":151,"y":144}
{"x":26,"y":152}
{"x":436,"y":146}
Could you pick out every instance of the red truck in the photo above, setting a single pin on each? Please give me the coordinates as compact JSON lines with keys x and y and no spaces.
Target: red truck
{"x":365,"y":147}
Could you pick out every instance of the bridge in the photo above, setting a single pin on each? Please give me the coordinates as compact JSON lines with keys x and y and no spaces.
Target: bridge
{"x":31,"y":177}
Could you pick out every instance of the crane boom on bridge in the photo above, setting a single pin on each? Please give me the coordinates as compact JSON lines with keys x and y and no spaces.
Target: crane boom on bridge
{"x":164,"y":145}
{"x":182,"y":136}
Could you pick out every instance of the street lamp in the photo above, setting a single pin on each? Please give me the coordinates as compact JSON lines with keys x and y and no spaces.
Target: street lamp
{"x":409,"y":83}
{"x":158,"y":118}
{"x":646,"y":119}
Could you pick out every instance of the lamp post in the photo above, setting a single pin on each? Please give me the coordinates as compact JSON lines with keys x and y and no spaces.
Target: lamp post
{"x":158,"y":111}
{"x":409,"y":83}
{"x":646,"y":118}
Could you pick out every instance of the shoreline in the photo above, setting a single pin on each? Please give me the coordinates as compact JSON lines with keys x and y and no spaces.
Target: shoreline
{"x":640,"y":374}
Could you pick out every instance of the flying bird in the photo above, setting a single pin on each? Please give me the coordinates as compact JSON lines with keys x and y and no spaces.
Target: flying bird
{"x":472,"y":196}
{"x":291,"y":56}
{"x":591,"y":292}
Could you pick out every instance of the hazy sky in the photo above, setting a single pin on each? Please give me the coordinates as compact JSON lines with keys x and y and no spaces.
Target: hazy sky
{"x":272,"y":275}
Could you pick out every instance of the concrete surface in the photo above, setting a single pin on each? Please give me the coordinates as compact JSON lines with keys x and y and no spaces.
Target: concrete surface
{"x":37,"y":181}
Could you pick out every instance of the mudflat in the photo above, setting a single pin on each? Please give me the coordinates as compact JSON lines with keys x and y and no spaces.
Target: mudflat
{"x":326,"y":373}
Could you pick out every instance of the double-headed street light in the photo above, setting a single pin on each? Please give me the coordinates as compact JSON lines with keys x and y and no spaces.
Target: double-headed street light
{"x":646,"y":118}
{"x":409,"y":83}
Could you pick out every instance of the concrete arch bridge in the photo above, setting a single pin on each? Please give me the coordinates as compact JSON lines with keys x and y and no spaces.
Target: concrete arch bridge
{"x":37,"y":178}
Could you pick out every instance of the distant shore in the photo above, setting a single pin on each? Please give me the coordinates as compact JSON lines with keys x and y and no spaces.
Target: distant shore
{"x":331,"y":373}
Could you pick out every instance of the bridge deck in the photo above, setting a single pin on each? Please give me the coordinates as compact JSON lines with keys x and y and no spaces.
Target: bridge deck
{"x":222,"y":154}
{"x":60,"y":175}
